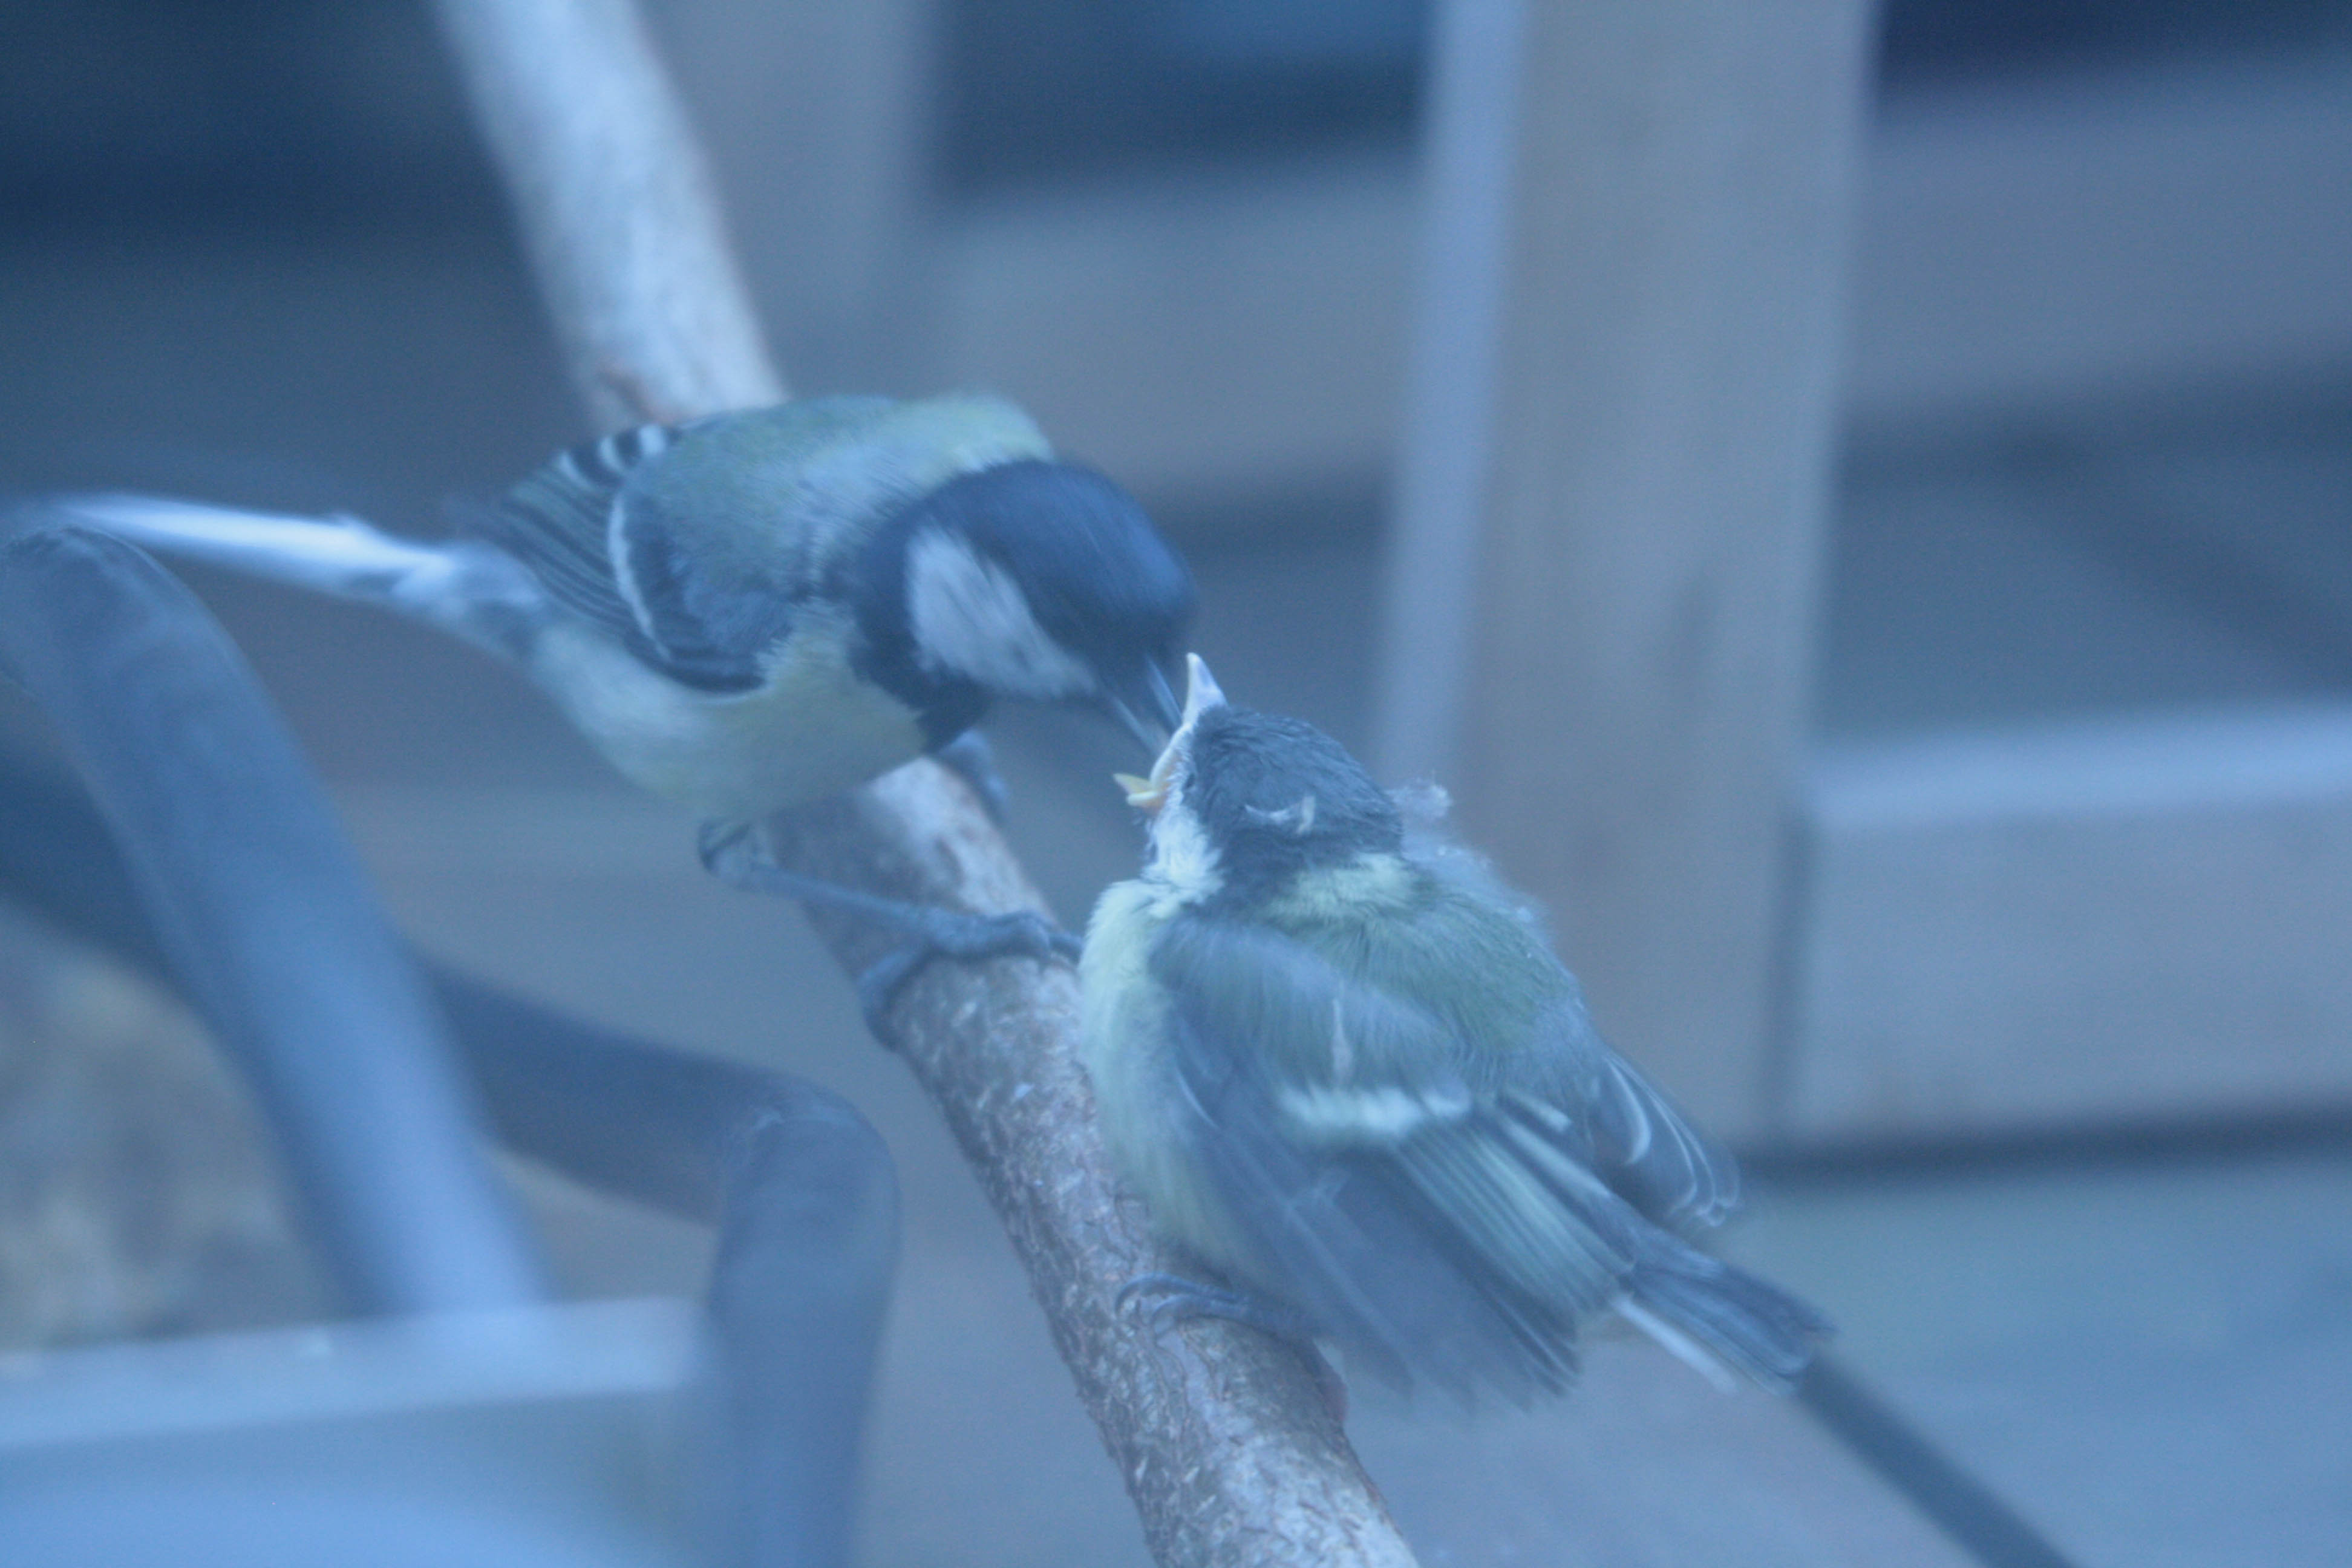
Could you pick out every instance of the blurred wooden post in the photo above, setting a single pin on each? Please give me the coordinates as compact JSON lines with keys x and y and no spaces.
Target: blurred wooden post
{"x":1616,"y":479}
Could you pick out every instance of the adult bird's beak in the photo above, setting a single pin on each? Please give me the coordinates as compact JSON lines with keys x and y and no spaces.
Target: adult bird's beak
{"x":1144,"y":706}
{"x":1200,"y":694}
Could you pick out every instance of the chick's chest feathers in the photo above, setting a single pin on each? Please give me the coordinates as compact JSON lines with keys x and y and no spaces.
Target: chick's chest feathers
{"x":1124,"y":1043}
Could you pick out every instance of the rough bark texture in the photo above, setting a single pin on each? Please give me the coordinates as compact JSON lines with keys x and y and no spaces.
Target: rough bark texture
{"x":1223,"y":1436}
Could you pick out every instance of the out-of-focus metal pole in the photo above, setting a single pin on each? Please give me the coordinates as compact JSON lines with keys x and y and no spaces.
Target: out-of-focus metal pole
{"x":266,"y":921}
{"x":800,"y":1185}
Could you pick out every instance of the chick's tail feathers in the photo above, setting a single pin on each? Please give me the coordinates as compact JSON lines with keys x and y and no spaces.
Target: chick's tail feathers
{"x":1719,"y":1319}
{"x":462,"y":586}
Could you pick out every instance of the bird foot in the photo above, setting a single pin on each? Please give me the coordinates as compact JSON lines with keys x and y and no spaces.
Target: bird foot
{"x":1180,"y":1300}
{"x":732,"y":853}
{"x":970,"y":758}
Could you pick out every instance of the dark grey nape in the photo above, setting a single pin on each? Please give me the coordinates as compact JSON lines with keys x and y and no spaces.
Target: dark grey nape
{"x":1274,"y":793}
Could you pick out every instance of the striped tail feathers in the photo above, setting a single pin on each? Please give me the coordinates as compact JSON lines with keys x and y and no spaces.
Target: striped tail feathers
{"x":1720,"y":1319}
{"x":465,"y":587}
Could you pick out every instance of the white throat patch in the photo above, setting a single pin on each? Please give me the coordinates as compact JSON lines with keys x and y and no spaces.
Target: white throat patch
{"x":971,"y":619}
{"x":1182,"y":858}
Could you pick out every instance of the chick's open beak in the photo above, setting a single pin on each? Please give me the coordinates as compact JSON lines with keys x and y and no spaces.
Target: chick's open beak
{"x":1148,"y":794}
{"x":1200,"y":694}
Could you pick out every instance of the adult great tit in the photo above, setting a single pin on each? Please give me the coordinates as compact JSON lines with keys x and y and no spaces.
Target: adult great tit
{"x":1343,"y":1068}
{"x":761,"y":608}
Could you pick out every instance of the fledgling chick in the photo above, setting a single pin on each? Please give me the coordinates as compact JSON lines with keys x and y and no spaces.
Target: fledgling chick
{"x":1349,"y":1074}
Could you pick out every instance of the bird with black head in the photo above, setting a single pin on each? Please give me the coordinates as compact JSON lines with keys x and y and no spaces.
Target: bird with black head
{"x":761,"y":608}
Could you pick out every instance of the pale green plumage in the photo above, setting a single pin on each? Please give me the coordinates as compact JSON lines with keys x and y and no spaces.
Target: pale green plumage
{"x":734,"y":756}
{"x":1477,"y":966}
{"x":762,"y":502}
{"x":752,"y":610}
{"x":802,"y":473}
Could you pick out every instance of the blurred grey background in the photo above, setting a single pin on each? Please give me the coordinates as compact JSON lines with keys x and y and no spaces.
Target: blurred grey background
{"x":2015,"y":938}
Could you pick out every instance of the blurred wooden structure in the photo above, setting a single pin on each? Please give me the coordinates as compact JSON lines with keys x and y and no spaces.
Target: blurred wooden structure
{"x":1615,"y":482}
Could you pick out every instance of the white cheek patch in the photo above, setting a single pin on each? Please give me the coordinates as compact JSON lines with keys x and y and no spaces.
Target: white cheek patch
{"x":971,"y":619}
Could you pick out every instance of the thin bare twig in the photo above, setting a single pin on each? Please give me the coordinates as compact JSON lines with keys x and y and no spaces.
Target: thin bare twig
{"x":1223,"y":1436}
{"x":614,"y":203}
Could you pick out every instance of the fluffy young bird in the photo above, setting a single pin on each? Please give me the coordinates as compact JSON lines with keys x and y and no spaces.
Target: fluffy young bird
{"x":761,"y":608}
{"x":1344,"y":1068}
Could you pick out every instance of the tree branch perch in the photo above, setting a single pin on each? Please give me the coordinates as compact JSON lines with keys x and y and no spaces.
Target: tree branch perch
{"x":1221,"y":1434}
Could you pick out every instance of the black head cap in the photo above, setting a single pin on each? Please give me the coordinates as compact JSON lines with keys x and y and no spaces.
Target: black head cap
{"x":1097,"y":572}
{"x":1277,"y":795}
{"x":1096,"y":576}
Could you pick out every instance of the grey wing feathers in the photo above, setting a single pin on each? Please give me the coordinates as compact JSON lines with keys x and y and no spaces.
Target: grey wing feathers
{"x":1419,"y":1231}
{"x":1341,"y":1238}
{"x":558,"y":521}
{"x":617,"y":565}
{"x":1668,"y":1170}
{"x":1441,"y":1236}
{"x":1710,"y":1312}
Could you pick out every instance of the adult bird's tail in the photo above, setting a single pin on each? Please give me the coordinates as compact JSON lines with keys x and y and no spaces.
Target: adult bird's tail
{"x":463,"y":587}
{"x":1720,"y":1319}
